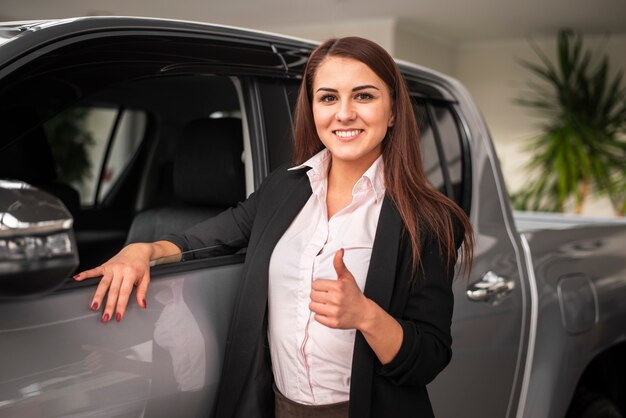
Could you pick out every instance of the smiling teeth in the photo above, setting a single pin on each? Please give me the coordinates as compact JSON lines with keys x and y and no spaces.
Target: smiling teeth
{"x":347,"y":134}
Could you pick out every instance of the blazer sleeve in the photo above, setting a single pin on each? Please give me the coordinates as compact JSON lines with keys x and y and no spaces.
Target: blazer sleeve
{"x":425,"y":320}
{"x":225,"y":233}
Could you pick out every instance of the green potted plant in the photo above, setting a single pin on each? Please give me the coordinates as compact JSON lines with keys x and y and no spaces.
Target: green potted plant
{"x":581,"y":149}
{"x":70,"y":141}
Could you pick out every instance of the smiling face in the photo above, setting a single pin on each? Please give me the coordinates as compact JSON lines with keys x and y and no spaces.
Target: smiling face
{"x":352,"y":109}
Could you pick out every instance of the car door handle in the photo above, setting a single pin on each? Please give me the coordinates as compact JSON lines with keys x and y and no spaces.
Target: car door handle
{"x":491,"y":288}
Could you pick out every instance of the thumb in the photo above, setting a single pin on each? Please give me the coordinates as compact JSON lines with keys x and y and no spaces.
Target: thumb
{"x":340,"y":267}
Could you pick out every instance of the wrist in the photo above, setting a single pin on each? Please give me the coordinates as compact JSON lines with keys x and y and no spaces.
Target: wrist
{"x":369,"y":317}
{"x":161,"y":249}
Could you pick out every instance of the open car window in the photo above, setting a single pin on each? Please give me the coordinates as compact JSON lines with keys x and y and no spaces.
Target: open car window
{"x":92,"y":147}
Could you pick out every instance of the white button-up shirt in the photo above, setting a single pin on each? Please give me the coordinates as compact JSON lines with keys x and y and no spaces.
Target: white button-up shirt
{"x":312,"y":363}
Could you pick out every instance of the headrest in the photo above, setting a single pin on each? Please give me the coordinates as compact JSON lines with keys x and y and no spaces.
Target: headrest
{"x":208,"y":169}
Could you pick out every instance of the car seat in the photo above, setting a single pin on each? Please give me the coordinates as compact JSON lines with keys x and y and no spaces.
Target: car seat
{"x":207,"y":177}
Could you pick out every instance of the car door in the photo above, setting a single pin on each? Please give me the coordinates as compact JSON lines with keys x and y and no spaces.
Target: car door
{"x":484,"y":376}
{"x":58,"y":358}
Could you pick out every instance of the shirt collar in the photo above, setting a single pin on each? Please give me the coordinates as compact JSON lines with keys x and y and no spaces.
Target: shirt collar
{"x":318,"y":164}
{"x":373,"y":177}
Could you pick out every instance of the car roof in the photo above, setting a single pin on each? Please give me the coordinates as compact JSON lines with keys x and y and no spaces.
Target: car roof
{"x":11,"y":29}
{"x":47,"y":30}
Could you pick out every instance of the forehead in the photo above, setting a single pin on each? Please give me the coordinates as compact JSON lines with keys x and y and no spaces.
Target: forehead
{"x":340,"y":71}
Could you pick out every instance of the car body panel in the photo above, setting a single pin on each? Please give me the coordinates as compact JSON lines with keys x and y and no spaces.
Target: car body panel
{"x":60,"y":360}
{"x":595,"y":253}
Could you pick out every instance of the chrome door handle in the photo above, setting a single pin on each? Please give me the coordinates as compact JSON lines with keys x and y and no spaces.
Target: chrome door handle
{"x":491,"y":288}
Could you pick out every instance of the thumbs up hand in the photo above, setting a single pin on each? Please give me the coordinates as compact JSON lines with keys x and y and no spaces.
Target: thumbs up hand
{"x":339,"y":303}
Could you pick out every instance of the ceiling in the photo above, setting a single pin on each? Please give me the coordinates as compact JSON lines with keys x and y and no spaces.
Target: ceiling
{"x":457,"y":21}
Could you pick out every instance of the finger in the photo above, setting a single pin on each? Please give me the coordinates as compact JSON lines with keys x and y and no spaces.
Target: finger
{"x":101,"y":290}
{"x":142,"y":290}
{"x":323,"y":285}
{"x":339,"y":265}
{"x":114,"y":291}
{"x":317,"y":296}
{"x":319,"y":308}
{"x":89,"y":274}
{"x":122,"y":301}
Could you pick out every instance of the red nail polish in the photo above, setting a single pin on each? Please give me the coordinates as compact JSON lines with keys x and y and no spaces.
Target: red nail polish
{"x":105,"y":318}
{"x":145,"y":304}
{"x":118,"y":317}
{"x":94,"y":306}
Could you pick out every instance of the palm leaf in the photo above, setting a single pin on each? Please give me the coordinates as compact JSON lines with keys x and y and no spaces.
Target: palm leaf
{"x":583,"y":134}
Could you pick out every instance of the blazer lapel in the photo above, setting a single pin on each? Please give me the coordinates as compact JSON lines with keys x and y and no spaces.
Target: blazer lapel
{"x":379,"y":288}
{"x":381,"y":273}
{"x":286,"y":211}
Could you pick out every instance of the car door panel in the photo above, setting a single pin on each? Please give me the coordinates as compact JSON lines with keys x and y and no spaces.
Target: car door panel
{"x":487,"y":337}
{"x":60,"y":360}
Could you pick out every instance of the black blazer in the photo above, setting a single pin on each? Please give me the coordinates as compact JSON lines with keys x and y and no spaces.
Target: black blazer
{"x":424,"y":310}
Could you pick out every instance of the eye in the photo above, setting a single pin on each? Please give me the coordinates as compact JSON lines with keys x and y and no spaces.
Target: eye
{"x":363,"y":96}
{"x":327,"y":98}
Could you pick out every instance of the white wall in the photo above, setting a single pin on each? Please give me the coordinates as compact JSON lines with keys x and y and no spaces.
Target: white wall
{"x":400,"y":39}
{"x":492,"y":74}
{"x":414,"y":45}
{"x":380,"y":31}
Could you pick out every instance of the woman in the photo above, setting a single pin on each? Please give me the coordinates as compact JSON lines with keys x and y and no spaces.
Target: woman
{"x":346,"y":301}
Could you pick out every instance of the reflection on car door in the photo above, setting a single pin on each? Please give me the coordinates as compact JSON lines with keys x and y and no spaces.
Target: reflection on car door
{"x":59,"y":360}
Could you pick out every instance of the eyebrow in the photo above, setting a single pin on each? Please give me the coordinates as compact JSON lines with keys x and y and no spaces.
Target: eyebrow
{"x":357,"y":88}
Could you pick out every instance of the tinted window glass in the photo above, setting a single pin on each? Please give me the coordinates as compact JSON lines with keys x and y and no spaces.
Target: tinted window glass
{"x":451,"y":144}
{"x":57,"y":79}
{"x":277,"y":121}
{"x":430,"y":156}
{"x":125,"y":141}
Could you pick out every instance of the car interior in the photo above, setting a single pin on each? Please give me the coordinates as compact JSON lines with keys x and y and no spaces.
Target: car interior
{"x":185,"y":161}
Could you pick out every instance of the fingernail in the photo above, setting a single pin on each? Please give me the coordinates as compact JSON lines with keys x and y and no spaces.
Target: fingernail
{"x":105,"y":318}
{"x":145,"y":304}
{"x":94,"y":306}
{"x":76,"y":276}
{"x":118,"y":317}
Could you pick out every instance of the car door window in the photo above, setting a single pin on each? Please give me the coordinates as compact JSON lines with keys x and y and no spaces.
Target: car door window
{"x":430,"y":155}
{"x":92,"y":147}
{"x":442,"y":149}
{"x":451,"y":147}
{"x":278,"y":99}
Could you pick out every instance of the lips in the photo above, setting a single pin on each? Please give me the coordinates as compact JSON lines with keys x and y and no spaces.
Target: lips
{"x":347,"y":133}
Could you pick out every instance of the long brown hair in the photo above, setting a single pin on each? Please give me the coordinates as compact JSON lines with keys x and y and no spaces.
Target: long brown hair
{"x":422,"y":208}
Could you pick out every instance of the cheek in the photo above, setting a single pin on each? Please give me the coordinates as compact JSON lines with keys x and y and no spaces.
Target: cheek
{"x":322,"y":117}
{"x":378,"y":119}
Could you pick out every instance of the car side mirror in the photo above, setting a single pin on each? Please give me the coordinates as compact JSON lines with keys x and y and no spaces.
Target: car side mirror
{"x":37,"y":243}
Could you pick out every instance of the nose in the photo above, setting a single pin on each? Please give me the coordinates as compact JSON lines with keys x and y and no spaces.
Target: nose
{"x":345,"y":112}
